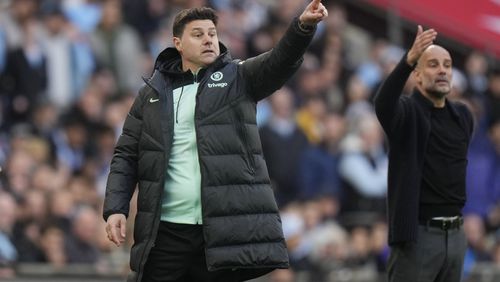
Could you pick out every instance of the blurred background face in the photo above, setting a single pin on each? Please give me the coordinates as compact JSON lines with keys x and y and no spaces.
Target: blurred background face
{"x":44,"y":178}
{"x":337,"y":18}
{"x":357,"y":90}
{"x":476,"y":64}
{"x":52,"y":242}
{"x":334,"y":127}
{"x":111,"y":14}
{"x":35,"y":206}
{"x":495,"y":85}
{"x":77,"y":135}
{"x":55,"y":23}
{"x":370,"y":132}
{"x":24,"y":9}
{"x":8,"y":209}
{"x":286,"y":9}
{"x":85,"y":225}
{"x":495,"y":136}
{"x":19,"y":168}
{"x":62,"y":204}
{"x":282,"y":103}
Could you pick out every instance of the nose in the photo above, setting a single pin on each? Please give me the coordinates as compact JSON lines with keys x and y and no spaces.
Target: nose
{"x":442,"y":69}
{"x":207,"y":40}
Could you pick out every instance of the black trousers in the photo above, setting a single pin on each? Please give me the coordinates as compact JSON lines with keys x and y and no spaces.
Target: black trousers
{"x":179,"y":256}
{"x":438,"y":256}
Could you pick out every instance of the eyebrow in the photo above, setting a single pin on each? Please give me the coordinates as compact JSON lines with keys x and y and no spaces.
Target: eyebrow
{"x":201,"y":29}
{"x":434,"y":60}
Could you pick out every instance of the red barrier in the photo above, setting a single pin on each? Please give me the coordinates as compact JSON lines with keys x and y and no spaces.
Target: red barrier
{"x":475,"y":23}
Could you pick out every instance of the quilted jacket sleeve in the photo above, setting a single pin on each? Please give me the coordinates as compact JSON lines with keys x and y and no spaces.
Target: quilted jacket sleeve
{"x":268,"y":71}
{"x":122,"y":178}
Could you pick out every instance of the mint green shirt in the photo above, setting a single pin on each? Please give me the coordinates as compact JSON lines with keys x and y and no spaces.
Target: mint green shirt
{"x":181,"y":201}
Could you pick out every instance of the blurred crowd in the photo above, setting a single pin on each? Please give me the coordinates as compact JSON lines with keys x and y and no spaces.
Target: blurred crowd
{"x":70,"y":69}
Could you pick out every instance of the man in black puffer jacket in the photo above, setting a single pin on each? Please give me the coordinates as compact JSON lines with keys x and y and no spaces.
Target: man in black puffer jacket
{"x":206,"y":210}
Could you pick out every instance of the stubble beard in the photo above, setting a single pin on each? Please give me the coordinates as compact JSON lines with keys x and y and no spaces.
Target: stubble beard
{"x":436,"y":91}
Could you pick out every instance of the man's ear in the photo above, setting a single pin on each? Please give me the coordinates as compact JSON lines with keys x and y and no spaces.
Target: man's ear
{"x":178,"y":44}
{"x":417,"y":74}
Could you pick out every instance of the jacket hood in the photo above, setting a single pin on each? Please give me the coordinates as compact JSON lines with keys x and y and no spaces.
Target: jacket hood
{"x":169,"y":60}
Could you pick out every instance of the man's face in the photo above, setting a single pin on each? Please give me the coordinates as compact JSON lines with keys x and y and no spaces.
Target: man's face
{"x":433,"y":72}
{"x":198,"y":44}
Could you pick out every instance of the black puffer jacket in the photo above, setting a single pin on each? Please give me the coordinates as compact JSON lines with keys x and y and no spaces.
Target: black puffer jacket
{"x":241,"y":223}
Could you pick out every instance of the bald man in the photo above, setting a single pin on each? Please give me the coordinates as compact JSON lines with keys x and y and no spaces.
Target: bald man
{"x":428,"y":139}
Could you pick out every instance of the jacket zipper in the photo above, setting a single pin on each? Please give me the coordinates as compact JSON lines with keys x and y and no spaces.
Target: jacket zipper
{"x":198,"y":91}
{"x":195,"y":78}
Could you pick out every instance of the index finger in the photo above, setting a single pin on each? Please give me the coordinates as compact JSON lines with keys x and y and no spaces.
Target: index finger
{"x":315,"y":3}
{"x":419,"y":30}
{"x":426,"y":35}
{"x":430,"y":30}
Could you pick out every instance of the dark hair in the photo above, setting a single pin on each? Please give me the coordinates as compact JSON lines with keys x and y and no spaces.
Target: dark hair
{"x":188,"y":15}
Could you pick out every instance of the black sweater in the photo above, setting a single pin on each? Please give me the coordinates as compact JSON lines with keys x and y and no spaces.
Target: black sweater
{"x":443,"y":175}
{"x":406,"y":122}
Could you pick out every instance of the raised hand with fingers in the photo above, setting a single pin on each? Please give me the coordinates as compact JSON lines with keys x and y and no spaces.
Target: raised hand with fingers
{"x":313,"y":14}
{"x":423,"y":40}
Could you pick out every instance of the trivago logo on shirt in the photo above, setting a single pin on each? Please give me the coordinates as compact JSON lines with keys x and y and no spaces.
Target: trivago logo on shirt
{"x":221,"y":85}
{"x":217,"y":76}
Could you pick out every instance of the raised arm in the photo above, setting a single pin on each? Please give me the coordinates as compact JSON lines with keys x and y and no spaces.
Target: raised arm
{"x":386,"y":100}
{"x":269,"y":71}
